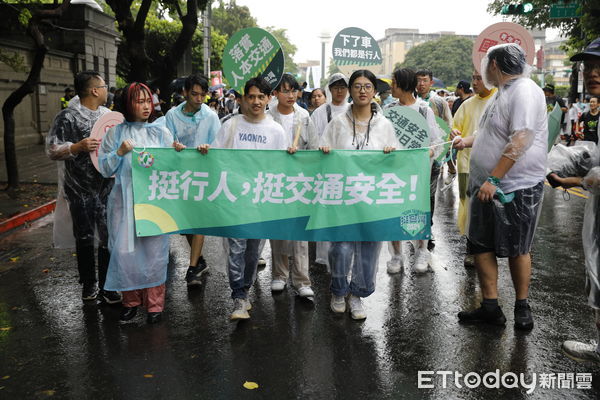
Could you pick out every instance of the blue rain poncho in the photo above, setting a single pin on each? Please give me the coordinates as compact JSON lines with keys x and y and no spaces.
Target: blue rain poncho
{"x":192,"y":131}
{"x":135,"y":262}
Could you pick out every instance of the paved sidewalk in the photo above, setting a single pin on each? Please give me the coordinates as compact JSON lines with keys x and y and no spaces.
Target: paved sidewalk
{"x":34,"y":167}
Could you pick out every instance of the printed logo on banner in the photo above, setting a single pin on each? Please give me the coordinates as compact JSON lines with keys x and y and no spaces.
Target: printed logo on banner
{"x":413,"y":222}
{"x":251,"y":52}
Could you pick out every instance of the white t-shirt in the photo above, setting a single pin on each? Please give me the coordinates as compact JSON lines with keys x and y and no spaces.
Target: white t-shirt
{"x":239,"y":133}
{"x":287,"y":122}
{"x":319,"y":116}
{"x":519,"y":106}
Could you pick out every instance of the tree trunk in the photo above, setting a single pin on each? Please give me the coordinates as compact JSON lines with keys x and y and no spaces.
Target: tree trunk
{"x":189,"y":23}
{"x":15,"y":98}
{"x":133,"y":61}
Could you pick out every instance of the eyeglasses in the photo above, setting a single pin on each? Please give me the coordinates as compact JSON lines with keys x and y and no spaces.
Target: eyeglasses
{"x":99,"y":87}
{"x":367,"y":87}
{"x":288,"y":92}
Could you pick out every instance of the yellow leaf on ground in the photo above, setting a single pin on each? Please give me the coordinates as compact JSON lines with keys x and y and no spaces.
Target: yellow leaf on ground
{"x":148,"y":376}
{"x":250,"y":385}
{"x":14,"y":259}
{"x":6,"y":377}
{"x":25,"y":205}
{"x":74,"y":254}
{"x":48,"y":392}
{"x":7,"y":328}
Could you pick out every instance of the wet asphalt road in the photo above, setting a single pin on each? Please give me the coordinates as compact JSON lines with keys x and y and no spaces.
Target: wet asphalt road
{"x":53,"y":346}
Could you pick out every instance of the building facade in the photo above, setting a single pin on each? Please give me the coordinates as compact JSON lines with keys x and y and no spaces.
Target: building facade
{"x":84,"y":38}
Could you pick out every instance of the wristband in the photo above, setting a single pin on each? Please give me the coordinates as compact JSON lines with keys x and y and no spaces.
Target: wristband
{"x":494,"y":180}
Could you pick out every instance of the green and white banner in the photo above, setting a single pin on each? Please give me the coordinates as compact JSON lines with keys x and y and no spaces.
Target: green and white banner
{"x":342,"y":196}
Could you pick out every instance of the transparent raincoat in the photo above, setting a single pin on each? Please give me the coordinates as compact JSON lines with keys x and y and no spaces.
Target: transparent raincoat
{"x":192,"y":131}
{"x":514,"y":125}
{"x":135,"y":262}
{"x":584,"y":160}
{"x":79,"y":183}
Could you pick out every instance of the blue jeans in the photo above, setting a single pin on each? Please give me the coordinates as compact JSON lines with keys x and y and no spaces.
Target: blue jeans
{"x":242,"y":263}
{"x":363,"y":257}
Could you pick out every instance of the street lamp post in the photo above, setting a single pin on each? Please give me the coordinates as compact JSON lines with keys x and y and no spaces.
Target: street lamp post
{"x":324,"y":36}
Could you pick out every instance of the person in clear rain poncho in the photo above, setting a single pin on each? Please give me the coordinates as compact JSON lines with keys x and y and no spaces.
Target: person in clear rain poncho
{"x":506,"y":182}
{"x":361,"y":127}
{"x":138,"y":265}
{"x":193,"y":123}
{"x":336,"y":93}
{"x":85,"y":190}
{"x":585,"y":172}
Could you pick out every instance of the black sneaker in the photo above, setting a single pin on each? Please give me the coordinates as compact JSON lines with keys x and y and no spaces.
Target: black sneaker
{"x":127,"y":314}
{"x":154,"y":317}
{"x":494,"y":317}
{"x":90,"y":292}
{"x":193,"y":275}
{"x":110,"y":297}
{"x":523,"y":318}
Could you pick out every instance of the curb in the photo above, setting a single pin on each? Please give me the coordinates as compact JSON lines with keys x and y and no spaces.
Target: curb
{"x":27,"y":216}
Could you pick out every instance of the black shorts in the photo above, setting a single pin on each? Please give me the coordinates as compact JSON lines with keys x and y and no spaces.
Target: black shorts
{"x":505,"y":229}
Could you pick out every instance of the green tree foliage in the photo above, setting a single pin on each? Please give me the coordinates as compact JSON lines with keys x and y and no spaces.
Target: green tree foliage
{"x":229,"y":18}
{"x":449,"y":58}
{"x":580,"y":31}
{"x":289,"y":50}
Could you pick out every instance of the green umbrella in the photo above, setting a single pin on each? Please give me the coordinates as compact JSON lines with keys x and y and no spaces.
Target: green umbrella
{"x":554,"y":118}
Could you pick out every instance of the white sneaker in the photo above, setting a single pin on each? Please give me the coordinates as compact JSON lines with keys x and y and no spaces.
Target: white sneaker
{"x":395,"y":265}
{"x":422,"y":260}
{"x":582,"y":352}
{"x":277,"y":285}
{"x":240,"y":310}
{"x":338,"y":303}
{"x":261,"y":262}
{"x":305,"y":291}
{"x":357,"y":310}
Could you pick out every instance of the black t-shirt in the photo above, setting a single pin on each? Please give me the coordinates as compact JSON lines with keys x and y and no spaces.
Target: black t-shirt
{"x":590,"y":126}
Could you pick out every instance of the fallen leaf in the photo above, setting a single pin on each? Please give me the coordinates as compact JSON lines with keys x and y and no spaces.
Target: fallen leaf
{"x":6,"y":377}
{"x":148,"y":376}
{"x":46,"y":270}
{"x":1,"y":387}
{"x":250,"y":385}
{"x":14,"y":259}
{"x":48,"y":392}
{"x":7,"y":328}
{"x":74,"y":254}
{"x":194,"y":356}
{"x":26,"y":205}
{"x":52,"y":258}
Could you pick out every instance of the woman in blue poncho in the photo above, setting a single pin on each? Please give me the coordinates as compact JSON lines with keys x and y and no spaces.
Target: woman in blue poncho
{"x":138,"y":265}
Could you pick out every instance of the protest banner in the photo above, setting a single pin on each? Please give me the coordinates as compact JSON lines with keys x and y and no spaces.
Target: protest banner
{"x":249,"y":53}
{"x":501,"y":33}
{"x":345,"y":195}
{"x":100,"y":128}
{"x":411,"y":127}
{"x":354,"y":48}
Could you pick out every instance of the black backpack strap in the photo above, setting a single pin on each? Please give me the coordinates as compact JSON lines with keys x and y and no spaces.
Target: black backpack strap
{"x":328,"y":113}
